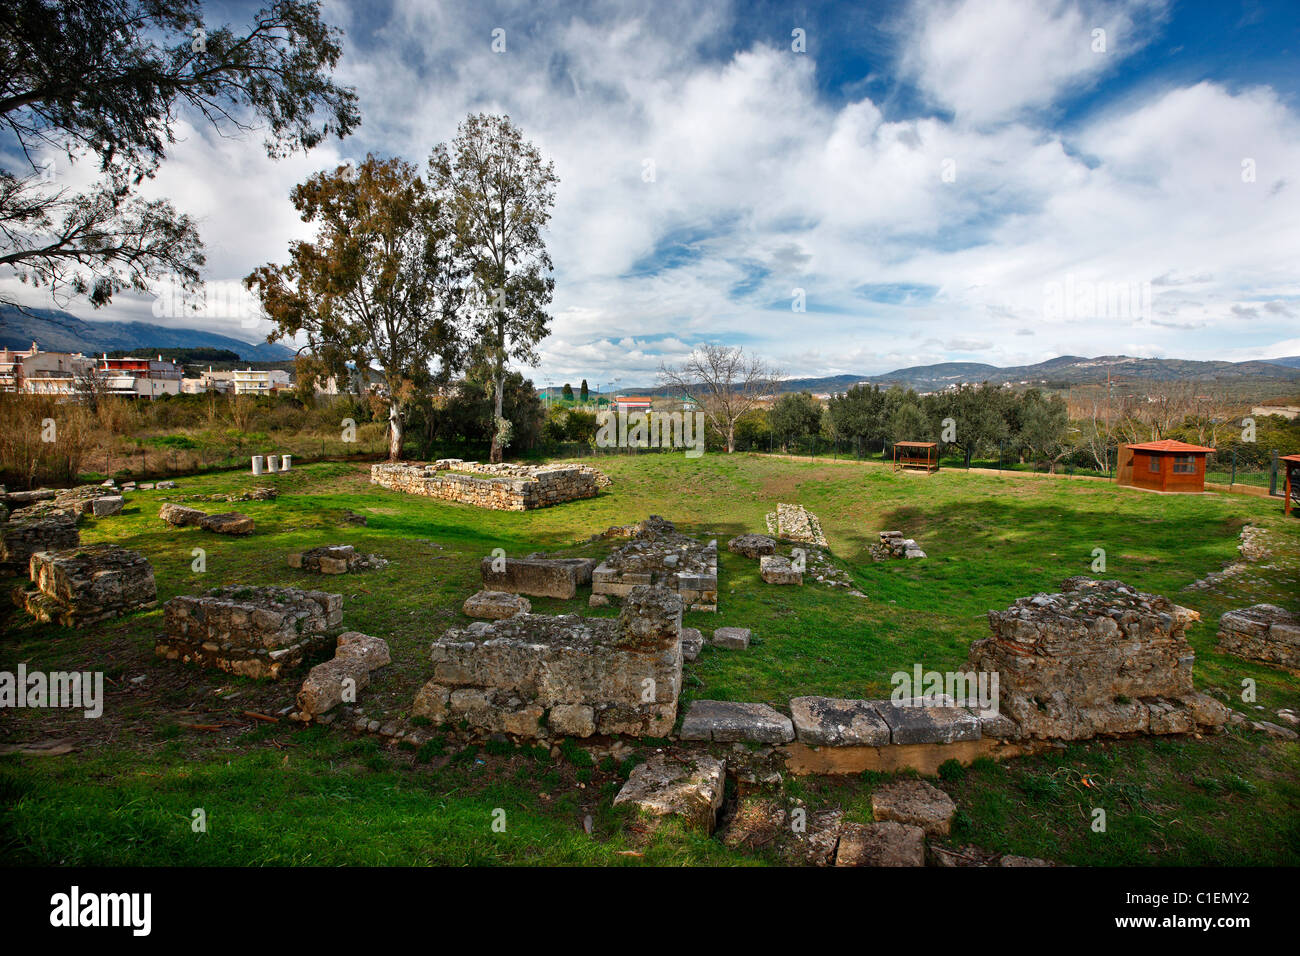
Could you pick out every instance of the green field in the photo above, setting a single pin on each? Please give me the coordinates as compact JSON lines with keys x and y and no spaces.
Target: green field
{"x":278,"y":794}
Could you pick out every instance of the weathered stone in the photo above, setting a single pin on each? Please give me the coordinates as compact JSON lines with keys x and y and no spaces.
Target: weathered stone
{"x":915,"y":802}
{"x":1262,"y":632}
{"x":228,"y":522}
{"x":330,"y":684}
{"x":776,"y":569}
{"x":20,"y":538}
{"x":815,"y":844}
{"x":598,"y":600}
{"x":432,"y":702}
{"x":881,"y":844}
{"x":625,"y":671}
{"x":1011,"y":860}
{"x":86,"y":584}
{"x":501,"y":487}
{"x":692,"y":643}
{"x":894,"y":545}
{"x":254,"y":632}
{"x":727,"y":721}
{"x":690,"y":787}
{"x":923,"y":721}
{"x":731,"y":638}
{"x":538,"y":577}
{"x":1097,"y":658}
{"x":794,"y":523}
{"x":372,"y":651}
{"x":832,"y":722}
{"x":572,"y":720}
{"x":107,"y":506}
{"x":752,"y":545}
{"x":179,"y":516}
{"x":658,"y":554}
{"x":334,"y":559}
{"x":496,"y":605}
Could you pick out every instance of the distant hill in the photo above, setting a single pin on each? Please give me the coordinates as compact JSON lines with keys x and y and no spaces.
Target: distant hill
{"x":1060,"y":372}
{"x":56,"y":331}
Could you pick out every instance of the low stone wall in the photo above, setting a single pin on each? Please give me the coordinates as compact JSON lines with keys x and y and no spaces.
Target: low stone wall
{"x":254,"y":632}
{"x":1263,"y":632}
{"x":1097,"y":658}
{"x":534,"y":676}
{"x":497,"y":487}
{"x":20,"y":538}
{"x":87,"y":584}
{"x":795,"y":523}
{"x":339,"y":679}
{"x":661,"y":556}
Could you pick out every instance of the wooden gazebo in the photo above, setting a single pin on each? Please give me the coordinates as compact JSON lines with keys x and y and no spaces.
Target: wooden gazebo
{"x":916,"y":454}
{"x":1166,"y":465}
{"x":1290,"y":481}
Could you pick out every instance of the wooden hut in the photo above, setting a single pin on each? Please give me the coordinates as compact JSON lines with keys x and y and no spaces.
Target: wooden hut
{"x":916,"y":454}
{"x":1290,"y":482}
{"x":1167,"y":465}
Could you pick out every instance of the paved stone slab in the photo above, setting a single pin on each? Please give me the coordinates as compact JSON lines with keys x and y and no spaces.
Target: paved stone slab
{"x":731,"y":638}
{"x":726,"y":722}
{"x":881,"y":844}
{"x":920,"y":722}
{"x":179,"y":516}
{"x":835,"y":722}
{"x":228,"y":522}
{"x":914,"y":802}
{"x":107,"y":506}
{"x":690,"y":787}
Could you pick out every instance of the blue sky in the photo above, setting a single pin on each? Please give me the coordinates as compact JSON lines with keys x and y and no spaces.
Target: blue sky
{"x":929,"y":179}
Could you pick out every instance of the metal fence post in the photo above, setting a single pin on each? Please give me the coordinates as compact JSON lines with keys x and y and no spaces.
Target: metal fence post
{"x":1272,"y":474}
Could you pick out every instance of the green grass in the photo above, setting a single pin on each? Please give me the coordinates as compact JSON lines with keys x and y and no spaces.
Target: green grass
{"x":278,"y":795}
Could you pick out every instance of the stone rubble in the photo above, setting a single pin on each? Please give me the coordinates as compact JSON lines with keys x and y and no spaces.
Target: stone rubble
{"x":795,"y":523}
{"x":661,"y":556}
{"x":775,"y":569}
{"x":689,"y":787}
{"x":880,"y":844}
{"x":914,"y":802}
{"x":752,"y":545}
{"x":894,"y":545}
{"x":327,"y":684}
{"x":20,"y":538}
{"x":334,"y":559}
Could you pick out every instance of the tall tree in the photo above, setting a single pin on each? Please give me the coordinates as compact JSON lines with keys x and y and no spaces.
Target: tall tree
{"x":1044,"y":421}
{"x":725,"y":382}
{"x":795,"y":415}
{"x":583,"y":392}
{"x":105,"y":81}
{"x":500,"y":195}
{"x":380,"y":286}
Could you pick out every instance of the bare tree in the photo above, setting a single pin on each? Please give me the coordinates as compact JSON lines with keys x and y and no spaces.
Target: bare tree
{"x":725,"y":382}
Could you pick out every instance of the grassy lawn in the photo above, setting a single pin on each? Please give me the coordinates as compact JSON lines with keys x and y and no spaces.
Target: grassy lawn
{"x":275,"y":794}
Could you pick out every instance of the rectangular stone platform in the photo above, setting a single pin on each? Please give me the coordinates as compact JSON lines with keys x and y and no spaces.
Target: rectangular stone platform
{"x":661,"y":556}
{"x":537,"y":577}
{"x":497,"y":487}
{"x":87,"y":584}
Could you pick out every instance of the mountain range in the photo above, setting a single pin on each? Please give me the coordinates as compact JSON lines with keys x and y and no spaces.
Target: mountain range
{"x":56,"y":331}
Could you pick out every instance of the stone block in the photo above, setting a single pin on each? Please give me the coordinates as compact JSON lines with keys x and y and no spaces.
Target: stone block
{"x":880,"y":844}
{"x":496,"y":605}
{"x":726,"y":722}
{"x":834,"y":722}
{"x":690,"y":787}
{"x":731,"y":638}
{"x":776,"y":569}
{"x":914,"y":802}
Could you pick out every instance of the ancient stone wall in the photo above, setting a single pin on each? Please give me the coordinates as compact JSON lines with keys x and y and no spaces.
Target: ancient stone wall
{"x":254,"y":632}
{"x":498,"y":487}
{"x":87,"y":584}
{"x":20,"y":538}
{"x":533,"y":675}
{"x":1097,"y":658}
{"x":661,"y":556}
{"x":1262,"y":632}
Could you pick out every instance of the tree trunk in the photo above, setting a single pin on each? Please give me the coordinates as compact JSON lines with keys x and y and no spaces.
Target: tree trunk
{"x":731,"y":437}
{"x":394,"y":432}
{"x":497,"y":452}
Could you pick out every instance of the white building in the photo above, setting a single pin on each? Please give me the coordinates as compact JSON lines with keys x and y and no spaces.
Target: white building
{"x":259,"y":381}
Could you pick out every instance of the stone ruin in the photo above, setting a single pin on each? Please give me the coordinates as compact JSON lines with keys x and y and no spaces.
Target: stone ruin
{"x":501,"y":487}
{"x":795,"y":523}
{"x":661,"y":556}
{"x":228,"y":522}
{"x":537,"y":575}
{"x":20,"y":538}
{"x":535,"y":676}
{"x":94,"y":500}
{"x":1262,"y":632}
{"x":339,"y":679}
{"x":83,"y":585}
{"x":894,"y":545}
{"x":334,"y":559}
{"x":1097,"y":658}
{"x":495,"y":605}
{"x":255,"y":632}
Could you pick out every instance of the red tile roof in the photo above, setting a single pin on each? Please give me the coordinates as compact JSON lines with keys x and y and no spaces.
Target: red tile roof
{"x":1171,"y":445}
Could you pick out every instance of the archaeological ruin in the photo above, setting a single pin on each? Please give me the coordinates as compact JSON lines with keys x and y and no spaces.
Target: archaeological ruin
{"x":339,"y":679}
{"x":532,"y":675}
{"x":537,"y":575}
{"x":1262,"y":632}
{"x":660,"y":555}
{"x":86,"y":584}
{"x":256,"y":632}
{"x":502,"y":487}
{"x":334,"y":559}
